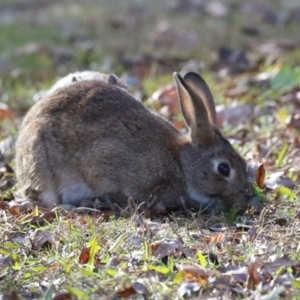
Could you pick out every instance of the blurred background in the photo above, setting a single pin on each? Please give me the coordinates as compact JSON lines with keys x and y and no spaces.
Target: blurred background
{"x":248,"y":51}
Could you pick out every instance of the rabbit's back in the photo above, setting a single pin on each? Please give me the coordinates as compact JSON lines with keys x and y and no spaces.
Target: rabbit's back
{"x":93,"y":139}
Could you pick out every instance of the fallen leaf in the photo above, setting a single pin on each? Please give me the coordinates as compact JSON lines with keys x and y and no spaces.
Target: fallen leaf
{"x":3,"y":205}
{"x":127,"y":292}
{"x":136,"y":288}
{"x":168,"y":96}
{"x":186,"y":290}
{"x":165,"y":247}
{"x":260,"y":176}
{"x":44,"y":219}
{"x":63,"y":296}
{"x":252,"y":232}
{"x":6,"y":261}
{"x":215,"y":238}
{"x":15,"y":211}
{"x":6,"y":113}
{"x":42,"y":240}
{"x":84,"y":255}
{"x":196,"y":273}
{"x":253,"y":275}
{"x":278,"y":179}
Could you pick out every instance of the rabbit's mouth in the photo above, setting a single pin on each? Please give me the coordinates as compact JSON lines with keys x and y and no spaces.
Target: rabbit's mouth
{"x":213,"y":202}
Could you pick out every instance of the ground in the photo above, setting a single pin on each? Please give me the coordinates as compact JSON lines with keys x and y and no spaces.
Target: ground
{"x":249,"y":53}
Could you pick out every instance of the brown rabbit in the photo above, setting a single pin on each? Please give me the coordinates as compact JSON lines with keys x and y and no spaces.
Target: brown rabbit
{"x":93,"y":139}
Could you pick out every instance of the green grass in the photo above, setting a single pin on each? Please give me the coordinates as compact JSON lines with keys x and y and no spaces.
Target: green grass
{"x":122,"y":253}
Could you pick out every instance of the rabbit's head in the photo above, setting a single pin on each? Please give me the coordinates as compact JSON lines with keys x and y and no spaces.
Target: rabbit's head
{"x":215,"y":174}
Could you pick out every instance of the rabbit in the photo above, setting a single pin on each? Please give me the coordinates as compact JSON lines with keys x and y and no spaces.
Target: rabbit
{"x":92,"y":139}
{"x":86,"y":75}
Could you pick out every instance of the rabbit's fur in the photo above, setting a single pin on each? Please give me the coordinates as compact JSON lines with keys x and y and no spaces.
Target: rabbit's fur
{"x":86,"y":75}
{"x":93,"y":139}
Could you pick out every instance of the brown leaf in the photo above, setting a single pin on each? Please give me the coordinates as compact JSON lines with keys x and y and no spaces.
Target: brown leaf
{"x":127,"y":292}
{"x":63,"y":296}
{"x":165,"y":247}
{"x":237,"y":272}
{"x":3,"y":205}
{"x":42,"y":239}
{"x":272,"y":267}
{"x":15,"y":211}
{"x":215,"y":238}
{"x":260,"y":176}
{"x":252,"y":171}
{"x":196,"y":273}
{"x":84,"y":255}
{"x":168,"y":96}
{"x":6,"y":113}
{"x":44,"y":219}
{"x":136,"y":288}
{"x":253,"y":275}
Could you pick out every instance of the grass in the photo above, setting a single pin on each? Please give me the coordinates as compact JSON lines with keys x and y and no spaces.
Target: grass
{"x":73,"y":255}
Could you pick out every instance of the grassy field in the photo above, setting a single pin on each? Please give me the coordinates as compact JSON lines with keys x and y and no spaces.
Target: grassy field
{"x":249,"y":53}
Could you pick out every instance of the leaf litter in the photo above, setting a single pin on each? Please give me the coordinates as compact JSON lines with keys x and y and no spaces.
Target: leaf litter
{"x":64,"y":254}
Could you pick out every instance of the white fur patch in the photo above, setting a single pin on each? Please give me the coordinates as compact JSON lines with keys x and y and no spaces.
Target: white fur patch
{"x":73,"y":193}
{"x":194,"y":195}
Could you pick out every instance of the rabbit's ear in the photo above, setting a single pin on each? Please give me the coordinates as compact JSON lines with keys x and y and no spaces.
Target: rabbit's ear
{"x":112,"y":79}
{"x":194,"y":112}
{"x":200,"y":87}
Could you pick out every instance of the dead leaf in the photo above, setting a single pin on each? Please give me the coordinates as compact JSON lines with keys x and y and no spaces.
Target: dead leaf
{"x":237,"y":272}
{"x":15,"y":211}
{"x":252,"y":232}
{"x":63,"y":296}
{"x":42,"y":239}
{"x":253,"y":275}
{"x":3,"y":205}
{"x":84,"y":255}
{"x":187,"y":290}
{"x":215,"y":238}
{"x":127,"y":292}
{"x":167,"y":96}
{"x":165,"y":247}
{"x":6,"y":113}
{"x":6,"y":261}
{"x":260,"y":176}
{"x":278,"y":179}
{"x":196,"y":273}
{"x":44,"y":219}
{"x":136,"y":288}
{"x":271,"y":268}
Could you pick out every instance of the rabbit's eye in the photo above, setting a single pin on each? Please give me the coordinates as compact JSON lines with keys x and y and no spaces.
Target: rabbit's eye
{"x":224,"y":169}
